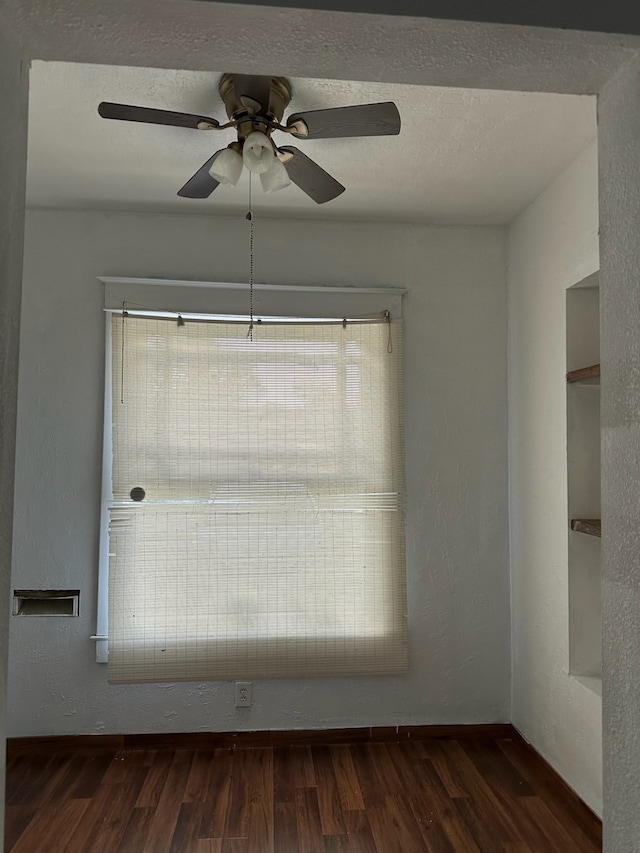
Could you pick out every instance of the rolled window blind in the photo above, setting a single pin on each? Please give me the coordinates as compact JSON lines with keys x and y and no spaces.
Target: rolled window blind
{"x":270,"y":541}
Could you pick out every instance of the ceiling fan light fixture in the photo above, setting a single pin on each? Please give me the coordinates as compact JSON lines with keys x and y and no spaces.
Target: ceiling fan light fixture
{"x":275,"y":178}
{"x":258,"y":152}
{"x":255,"y":106}
{"x":227,"y":167}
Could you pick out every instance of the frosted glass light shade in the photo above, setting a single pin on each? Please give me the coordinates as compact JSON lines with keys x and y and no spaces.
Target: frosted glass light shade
{"x":258,"y":153}
{"x":227,"y":167}
{"x":275,"y":178}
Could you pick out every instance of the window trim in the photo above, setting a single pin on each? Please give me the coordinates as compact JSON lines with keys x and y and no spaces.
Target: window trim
{"x":181,"y":296}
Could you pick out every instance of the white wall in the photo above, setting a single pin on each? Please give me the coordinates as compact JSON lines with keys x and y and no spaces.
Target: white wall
{"x":552,"y":245}
{"x":456,"y":433}
{"x":13,"y":156}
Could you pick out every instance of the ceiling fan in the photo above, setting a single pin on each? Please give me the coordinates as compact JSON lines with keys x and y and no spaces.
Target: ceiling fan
{"x":255,"y":106}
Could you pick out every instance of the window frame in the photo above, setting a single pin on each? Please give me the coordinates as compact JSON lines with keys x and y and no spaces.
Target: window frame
{"x":191,"y":298}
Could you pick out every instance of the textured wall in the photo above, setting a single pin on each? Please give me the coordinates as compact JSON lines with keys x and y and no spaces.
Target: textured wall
{"x":552,"y":245}
{"x":322,"y":44}
{"x":13,"y":151}
{"x":619,"y":124}
{"x":616,"y":17}
{"x":455,"y":394}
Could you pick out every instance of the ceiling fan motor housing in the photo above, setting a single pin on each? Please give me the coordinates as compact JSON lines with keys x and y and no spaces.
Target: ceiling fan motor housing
{"x":248,"y":99}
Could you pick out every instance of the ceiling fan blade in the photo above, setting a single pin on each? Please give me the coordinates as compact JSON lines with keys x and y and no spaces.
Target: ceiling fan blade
{"x":363,"y":120}
{"x":311,"y":178}
{"x":252,"y":88}
{"x":202,"y":184}
{"x":127,"y":112}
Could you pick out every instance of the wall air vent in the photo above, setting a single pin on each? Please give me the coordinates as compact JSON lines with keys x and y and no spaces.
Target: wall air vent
{"x":46,"y":602}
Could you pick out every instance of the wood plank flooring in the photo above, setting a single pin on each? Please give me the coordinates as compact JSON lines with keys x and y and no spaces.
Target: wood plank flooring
{"x":438,"y":795}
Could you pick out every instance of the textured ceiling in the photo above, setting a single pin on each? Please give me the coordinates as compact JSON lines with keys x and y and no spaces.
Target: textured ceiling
{"x":463,"y":156}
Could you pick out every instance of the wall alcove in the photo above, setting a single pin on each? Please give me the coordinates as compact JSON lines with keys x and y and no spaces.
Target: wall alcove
{"x":583,"y":481}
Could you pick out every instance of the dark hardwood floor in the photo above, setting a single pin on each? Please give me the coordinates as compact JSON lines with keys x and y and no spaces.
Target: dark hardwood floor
{"x":440,"y":795}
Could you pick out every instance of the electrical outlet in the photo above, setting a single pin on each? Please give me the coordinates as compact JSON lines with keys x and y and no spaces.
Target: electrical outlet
{"x":243,"y":694}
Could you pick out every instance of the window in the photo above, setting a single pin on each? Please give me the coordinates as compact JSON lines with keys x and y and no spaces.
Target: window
{"x":270,"y":538}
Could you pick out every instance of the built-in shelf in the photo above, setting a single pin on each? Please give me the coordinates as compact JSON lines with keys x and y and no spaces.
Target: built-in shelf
{"x":591,"y":526}
{"x":591,"y":682}
{"x":582,"y":373}
{"x":589,"y":374}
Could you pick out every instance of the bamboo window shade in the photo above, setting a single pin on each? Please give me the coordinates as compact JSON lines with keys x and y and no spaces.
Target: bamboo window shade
{"x":270,"y":540}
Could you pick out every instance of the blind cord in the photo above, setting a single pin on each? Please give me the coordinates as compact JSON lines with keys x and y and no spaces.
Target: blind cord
{"x":250,"y":219}
{"x":124,"y":314}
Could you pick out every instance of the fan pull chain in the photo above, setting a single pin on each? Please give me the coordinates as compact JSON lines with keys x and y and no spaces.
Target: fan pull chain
{"x":124,"y":314}
{"x":387,"y":317}
{"x":250,"y":218}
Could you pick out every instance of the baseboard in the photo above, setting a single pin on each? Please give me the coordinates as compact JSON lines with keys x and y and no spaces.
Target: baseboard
{"x":217,"y":740}
{"x":571,"y":798}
